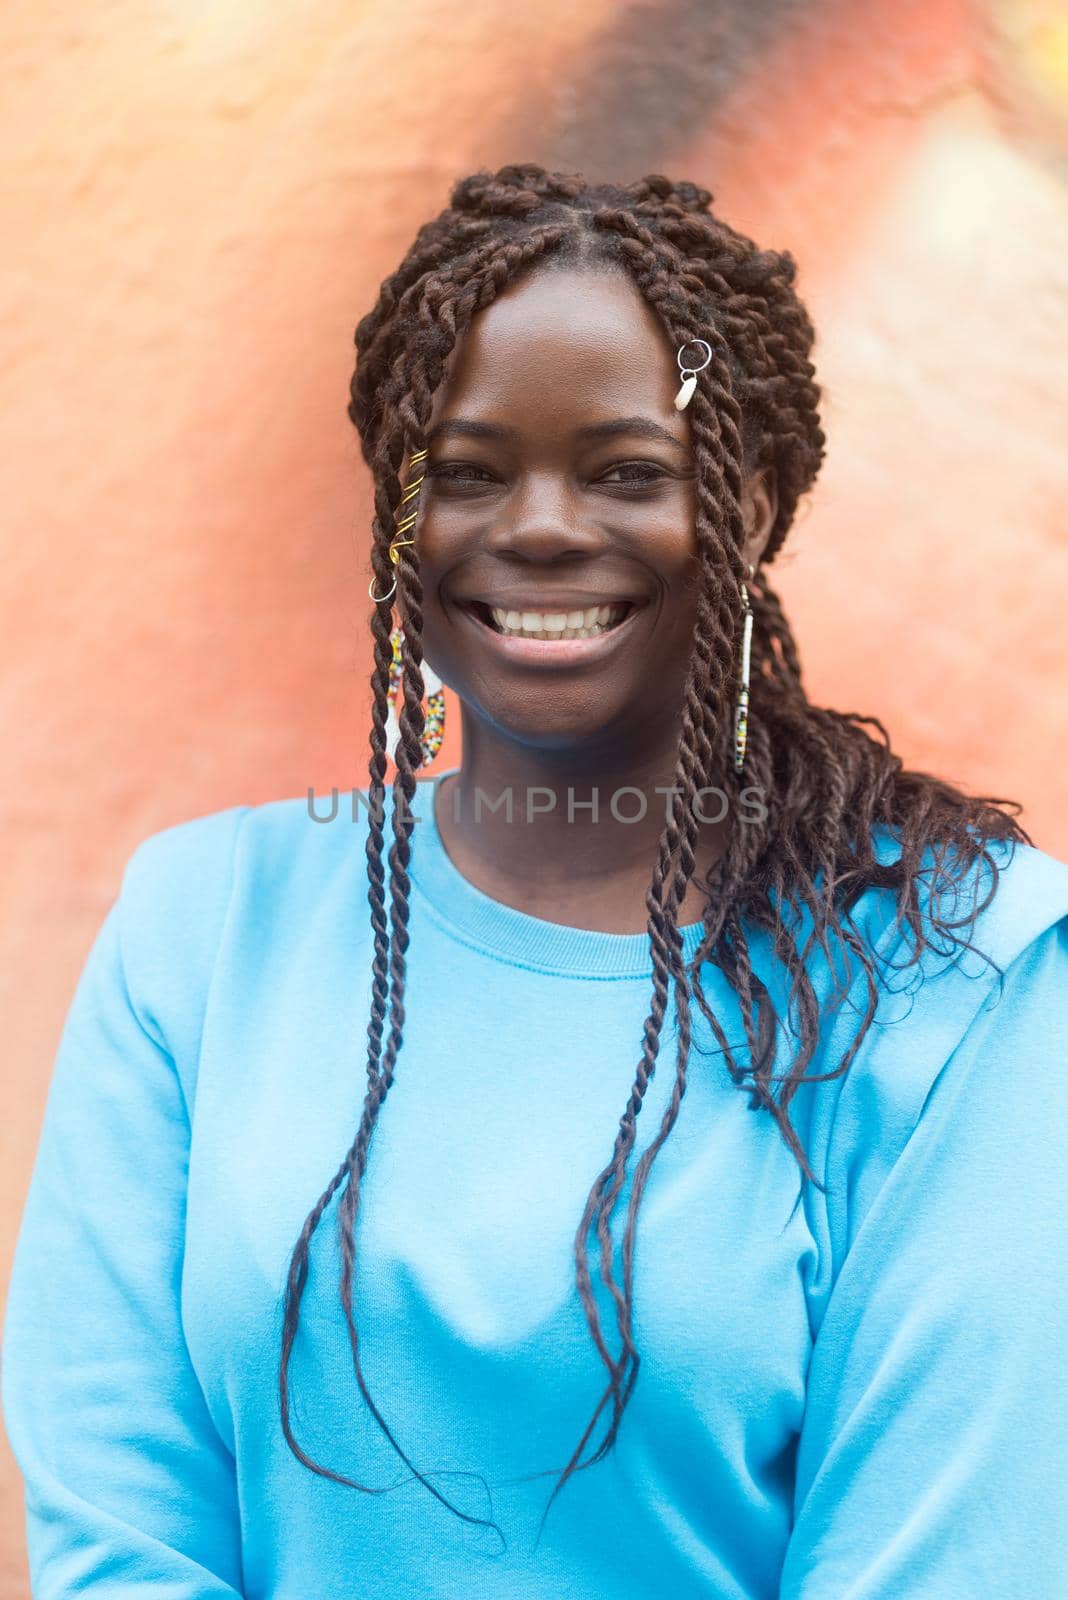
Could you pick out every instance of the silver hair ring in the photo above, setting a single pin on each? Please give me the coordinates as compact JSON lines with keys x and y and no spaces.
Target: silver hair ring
{"x":686,"y":371}
{"x":689,"y":374}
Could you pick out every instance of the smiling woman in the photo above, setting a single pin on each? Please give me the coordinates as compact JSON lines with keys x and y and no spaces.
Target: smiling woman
{"x":559,"y":565}
{"x":610,"y":1335}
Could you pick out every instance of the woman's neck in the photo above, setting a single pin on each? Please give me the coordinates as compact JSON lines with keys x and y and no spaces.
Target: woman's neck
{"x":569,"y":836}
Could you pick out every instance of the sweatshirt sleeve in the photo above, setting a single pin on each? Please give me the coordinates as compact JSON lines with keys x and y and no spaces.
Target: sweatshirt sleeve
{"x":128,"y":1485}
{"x":933,"y":1457}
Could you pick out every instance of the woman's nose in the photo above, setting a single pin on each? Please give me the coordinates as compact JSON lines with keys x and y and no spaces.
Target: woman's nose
{"x":544,"y":521}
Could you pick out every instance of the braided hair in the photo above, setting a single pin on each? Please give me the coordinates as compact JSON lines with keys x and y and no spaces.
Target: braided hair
{"x":827,"y":782}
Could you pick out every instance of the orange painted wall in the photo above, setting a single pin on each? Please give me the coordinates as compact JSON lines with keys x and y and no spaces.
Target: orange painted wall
{"x":200,"y":202}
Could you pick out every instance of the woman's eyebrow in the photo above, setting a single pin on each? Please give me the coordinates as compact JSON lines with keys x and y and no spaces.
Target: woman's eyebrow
{"x":465,"y":428}
{"x":645,"y":427}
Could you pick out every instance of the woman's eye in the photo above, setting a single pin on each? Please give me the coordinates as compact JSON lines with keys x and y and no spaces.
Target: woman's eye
{"x":635,"y":472}
{"x":461,"y":472}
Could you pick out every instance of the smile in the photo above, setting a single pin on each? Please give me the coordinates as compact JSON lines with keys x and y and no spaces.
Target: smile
{"x":579,"y":623}
{"x":561,"y":635}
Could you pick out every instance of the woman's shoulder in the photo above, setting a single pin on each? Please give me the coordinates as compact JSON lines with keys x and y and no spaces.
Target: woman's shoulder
{"x":226,"y":877}
{"x":263,"y":839}
{"x":991,"y":975}
{"x":978,"y":917}
{"x":975,"y":909}
{"x":186,"y":853}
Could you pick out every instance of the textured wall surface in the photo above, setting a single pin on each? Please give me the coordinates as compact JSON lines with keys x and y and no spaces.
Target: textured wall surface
{"x":201,"y":201}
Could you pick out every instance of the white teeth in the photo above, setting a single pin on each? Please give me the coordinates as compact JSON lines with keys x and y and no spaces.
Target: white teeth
{"x":558,"y":624}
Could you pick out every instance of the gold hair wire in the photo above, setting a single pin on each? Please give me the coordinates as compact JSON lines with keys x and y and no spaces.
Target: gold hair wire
{"x":407,"y":522}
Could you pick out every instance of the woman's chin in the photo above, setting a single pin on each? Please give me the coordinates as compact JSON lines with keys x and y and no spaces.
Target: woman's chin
{"x":564,"y":719}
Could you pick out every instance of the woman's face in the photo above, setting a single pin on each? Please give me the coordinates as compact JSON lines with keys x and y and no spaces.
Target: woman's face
{"x":556,"y":538}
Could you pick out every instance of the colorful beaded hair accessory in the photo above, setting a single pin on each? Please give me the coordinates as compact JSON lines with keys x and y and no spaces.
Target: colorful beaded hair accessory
{"x":741,"y":708}
{"x":434,"y":724}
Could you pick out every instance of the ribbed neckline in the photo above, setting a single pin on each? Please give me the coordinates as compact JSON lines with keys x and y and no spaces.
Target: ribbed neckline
{"x":516,"y":936}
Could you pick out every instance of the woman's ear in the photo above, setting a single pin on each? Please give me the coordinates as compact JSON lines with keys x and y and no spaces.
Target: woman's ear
{"x":760,"y":506}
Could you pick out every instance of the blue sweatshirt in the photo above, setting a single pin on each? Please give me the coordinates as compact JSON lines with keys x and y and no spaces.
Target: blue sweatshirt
{"x":861,"y":1395}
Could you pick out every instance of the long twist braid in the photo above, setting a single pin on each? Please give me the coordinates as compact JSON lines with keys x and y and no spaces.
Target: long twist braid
{"x":412,"y":408}
{"x":718,"y":532}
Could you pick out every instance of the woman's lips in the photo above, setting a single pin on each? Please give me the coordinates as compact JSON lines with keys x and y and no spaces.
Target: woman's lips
{"x":528,"y":649}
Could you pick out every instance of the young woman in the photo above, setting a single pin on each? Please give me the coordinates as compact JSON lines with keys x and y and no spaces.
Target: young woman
{"x":567,"y":1318}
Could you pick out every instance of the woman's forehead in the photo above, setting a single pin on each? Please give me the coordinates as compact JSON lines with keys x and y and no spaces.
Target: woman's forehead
{"x":560,"y":334}
{"x":567,"y":304}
